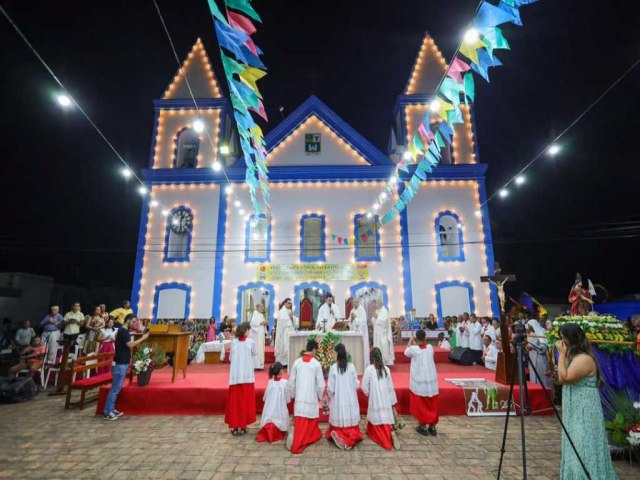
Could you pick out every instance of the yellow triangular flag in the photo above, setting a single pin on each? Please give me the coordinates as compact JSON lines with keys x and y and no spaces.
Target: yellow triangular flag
{"x":470,"y":50}
{"x":251,"y":75}
{"x":444,"y":108}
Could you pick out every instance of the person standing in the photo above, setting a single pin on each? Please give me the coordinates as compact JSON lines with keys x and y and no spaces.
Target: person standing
{"x":286,"y":324}
{"x":93,"y":326}
{"x":107,"y":339}
{"x":378,"y":387}
{"x":257,"y":333}
{"x":328,"y":314}
{"x":382,"y":334}
{"x":71,"y":323}
{"x":359,"y":324}
{"x":307,"y":387}
{"x":24,"y":335}
{"x":119,"y":314}
{"x":538,"y":349}
{"x":580,"y":379}
{"x":274,"y":421}
{"x":51,"y":323}
{"x":241,"y":401}
{"x":211,"y":330}
{"x":121,"y":360}
{"x":463,"y":331}
{"x":423,"y":384}
{"x":344,"y":410}
{"x":475,"y":339}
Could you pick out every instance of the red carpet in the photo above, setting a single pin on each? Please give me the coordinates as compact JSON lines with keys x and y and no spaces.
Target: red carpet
{"x":204,"y":391}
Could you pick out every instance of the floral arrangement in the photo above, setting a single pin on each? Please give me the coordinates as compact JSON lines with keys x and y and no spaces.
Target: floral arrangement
{"x":324,"y":353}
{"x":622,"y":417}
{"x":595,"y":327}
{"x":143,"y":360}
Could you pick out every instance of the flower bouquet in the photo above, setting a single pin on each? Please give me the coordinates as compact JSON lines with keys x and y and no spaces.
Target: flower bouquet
{"x":595,"y":327}
{"x":143,"y":363}
{"x":622,"y":419}
{"x":324,"y":353}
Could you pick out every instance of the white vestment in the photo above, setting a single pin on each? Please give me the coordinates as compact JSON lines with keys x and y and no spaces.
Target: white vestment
{"x":307,"y":386}
{"x":330,"y":313}
{"x":383,"y":336}
{"x":463,"y":337}
{"x":423,"y":378}
{"x":359,"y":324}
{"x":382,"y":396}
{"x":276,"y":397}
{"x":241,"y":357}
{"x":490,"y":356}
{"x":284,"y":327}
{"x":444,"y":344}
{"x":489,"y":330}
{"x":257,"y":334}
{"x":344,"y":410}
{"x":475,"y":336}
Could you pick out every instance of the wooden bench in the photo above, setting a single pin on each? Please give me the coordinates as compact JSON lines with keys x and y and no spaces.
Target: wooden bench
{"x":86,"y":364}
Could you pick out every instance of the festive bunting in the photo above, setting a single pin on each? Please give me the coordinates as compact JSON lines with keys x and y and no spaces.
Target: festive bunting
{"x":245,"y":7}
{"x":456,"y":69}
{"x":491,"y":16}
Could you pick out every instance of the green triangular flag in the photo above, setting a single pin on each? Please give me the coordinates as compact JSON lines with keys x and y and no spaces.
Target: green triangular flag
{"x":215,"y":11}
{"x":469,"y":87}
{"x":245,"y":7}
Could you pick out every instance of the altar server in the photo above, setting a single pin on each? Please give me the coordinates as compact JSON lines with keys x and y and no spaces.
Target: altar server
{"x":241,"y":401}
{"x":490,"y":353}
{"x":286,"y":324}
{"x":257,"y":333}
{"x":274,"y":422}
{"x":443,"y":343}
{"x":378,"y":386}
{"x":307,"y":387}
{"x":359,"y":324}
{"x":475,"y":339}
{"x":344,"y":411}
{"x":423,"y":384}
{"x":382,"y":334}
{"x":328,"y":314}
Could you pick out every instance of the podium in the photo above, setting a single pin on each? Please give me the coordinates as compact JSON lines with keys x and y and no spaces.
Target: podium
{"x":172,"y":342}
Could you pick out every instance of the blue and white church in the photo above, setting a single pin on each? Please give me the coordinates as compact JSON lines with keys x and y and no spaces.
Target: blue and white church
{"x":200,"y":253}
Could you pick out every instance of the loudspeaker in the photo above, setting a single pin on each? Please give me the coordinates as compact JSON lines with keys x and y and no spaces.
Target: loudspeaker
{"x":461,"y":356}
{"x":14,"y":390}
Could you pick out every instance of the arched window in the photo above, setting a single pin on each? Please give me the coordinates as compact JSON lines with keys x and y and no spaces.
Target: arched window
{"x":454,"y":297}
{"x":312,"y":238}
{"x":365,"y":231}
{"x":449,"y":235}
{"x":186,"y":151}
{"x":171,"y":301}
{"x":257,"y":239}
{"x":177,"y":245}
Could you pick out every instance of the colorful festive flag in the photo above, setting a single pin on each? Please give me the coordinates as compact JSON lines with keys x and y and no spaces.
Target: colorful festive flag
{"x":241,"y":22}
{"x":491,"y":16}
{"x":457,"y":68}
{"x":245,"y":7}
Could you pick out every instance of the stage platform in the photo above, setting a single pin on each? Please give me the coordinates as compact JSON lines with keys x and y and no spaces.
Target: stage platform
{"x":204,"y":391}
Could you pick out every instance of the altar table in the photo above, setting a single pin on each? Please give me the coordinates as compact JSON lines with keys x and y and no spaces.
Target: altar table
{"x":352,"y":341}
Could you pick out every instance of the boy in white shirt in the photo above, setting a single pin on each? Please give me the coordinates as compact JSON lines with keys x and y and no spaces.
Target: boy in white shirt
{"x":490,"y":353}
{"x":423,"y":384}
{"x":443,"y":343}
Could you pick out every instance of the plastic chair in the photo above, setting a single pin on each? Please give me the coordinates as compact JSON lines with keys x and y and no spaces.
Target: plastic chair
{"x":51,"y":367}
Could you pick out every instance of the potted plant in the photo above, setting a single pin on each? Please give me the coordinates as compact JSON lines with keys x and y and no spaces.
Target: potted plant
{"x":143,"y":363}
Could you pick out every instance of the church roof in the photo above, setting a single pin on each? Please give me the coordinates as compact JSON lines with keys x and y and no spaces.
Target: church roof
{"x":196,"y":68}
{"x":428,"y":68}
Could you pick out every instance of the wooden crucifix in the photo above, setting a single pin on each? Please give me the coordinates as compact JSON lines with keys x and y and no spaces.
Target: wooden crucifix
{"x":505,"y":364}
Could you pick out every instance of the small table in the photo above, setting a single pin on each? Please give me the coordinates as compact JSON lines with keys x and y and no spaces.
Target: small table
{"x":215,"y":346}
{"x":352,"y":341}
{"x":172,"y":342}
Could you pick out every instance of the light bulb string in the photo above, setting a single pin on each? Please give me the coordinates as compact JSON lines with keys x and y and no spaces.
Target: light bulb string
{"x":569,"y":127}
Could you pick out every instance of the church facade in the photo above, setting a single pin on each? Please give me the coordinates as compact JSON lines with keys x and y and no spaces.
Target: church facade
{"x":200,"y":253}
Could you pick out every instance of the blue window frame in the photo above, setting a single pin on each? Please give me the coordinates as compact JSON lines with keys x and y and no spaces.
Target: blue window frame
{"x":260,"y":291}
{"x":177,"y":245}
{"x":312,"y":238}
{"x":164,"y":287}
{"x":187,"y":145}
{"x":367,"y":235}
{"x":448,"y":229}
{"x":444,"y":310}
{"x":257,"y":239}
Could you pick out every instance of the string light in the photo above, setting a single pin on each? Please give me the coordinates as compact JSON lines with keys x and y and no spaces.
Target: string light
{"x":376,"y":206}
{"x":520,"y":180}
{"x":198,"y":126}
{"x":142,"y":190}
{"x":64,"y":100}
{"x":383,"y":195}
{"x":127,"y":173}
{"x":553,"y":150}
{"x":478,"y":213}
{"x":154,"y":203}
{"x":217,"y":166}
{"x":471,"y":36}
{"x":393,"y":180}
{"x":165,"y":212}
{"x":504,"y":193}
{"x":407,"y":155}
{"x":228,"y":189}
{"x":224,"y":149}
{"x":435,"y":105}
{"x":237,"y":203}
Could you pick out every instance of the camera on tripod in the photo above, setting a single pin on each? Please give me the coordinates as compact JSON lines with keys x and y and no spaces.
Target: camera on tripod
{"x":519,"y":333}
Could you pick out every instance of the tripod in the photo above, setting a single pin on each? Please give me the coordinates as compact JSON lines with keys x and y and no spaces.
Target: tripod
{"x":519,"y":342}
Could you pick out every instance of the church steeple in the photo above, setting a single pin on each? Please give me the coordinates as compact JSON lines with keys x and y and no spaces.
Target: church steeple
{"x":197,"y":69}
{"x":428,"y":68}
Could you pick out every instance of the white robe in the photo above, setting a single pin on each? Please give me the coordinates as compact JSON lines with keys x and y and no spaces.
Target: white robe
{"x":444,"y":344}
{"x":489,"y":330}
{"x":257,"y":334}
{"x":307,"y":386}
{"x":284,"y":327}
{"x":359,"y":324}
{"x":241,"y":357}
{"x":490,"y":356}
{"x":475,"y":336}
{"x":463,"y":337}
{"x":383,"y":336}
{"x":276,"y":397}
{"x":423,"y":378}
{"x":382,"y":396}
{"x":331,"y":314}
{"x":344,"y":410}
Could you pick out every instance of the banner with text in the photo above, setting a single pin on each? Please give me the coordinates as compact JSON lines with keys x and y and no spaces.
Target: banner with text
{"x":309,"y":272}
{"x":483,"y":397}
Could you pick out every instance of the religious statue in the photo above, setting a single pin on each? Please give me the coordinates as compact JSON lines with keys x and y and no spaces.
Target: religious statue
{"x":499,"y":283}
{"x":580,"y":298}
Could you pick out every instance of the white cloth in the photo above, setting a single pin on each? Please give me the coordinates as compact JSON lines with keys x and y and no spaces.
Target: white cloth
{"x":257,"y":334}
{"x":52,"y":346}
{"x":359,"y":324}
{"x":538,"y":330}
{"x":330,"y":313}
{"x":444,"y":344}
{"x":241,"y":358}
{"x":490,"y":356}
{"x":382,"y":396}
{"x":423,"y":378}
{"x":463,"y":337}
{"x":475,"y":336}
{"x":284,"y":327}
{"x":344,"y":410}
{"x":383,"y":336}
{"x":276,"y":397}
{"x":215,"y":346}
{"x":489,"y":330}
{"x":307,"y":386}
{"x":108,"y":334}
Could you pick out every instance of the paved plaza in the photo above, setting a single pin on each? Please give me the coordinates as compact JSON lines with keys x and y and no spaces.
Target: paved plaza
{"x":39,"y":439}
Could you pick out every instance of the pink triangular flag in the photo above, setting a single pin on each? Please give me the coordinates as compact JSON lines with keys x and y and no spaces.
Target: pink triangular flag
{"x":456,"y":68}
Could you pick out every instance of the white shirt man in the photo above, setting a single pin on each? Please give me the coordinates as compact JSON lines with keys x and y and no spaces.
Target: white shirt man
{"x":463,"y":333}
{"x":490,"y":353}
{"x":257,"y":333}
{"x":382,"y":334}
{"x":443,"y":343}
{"x":475,"y":335}
{"x":359,"y":324}
{"x":328,"y":312}
{"x":286,"y":324}
{"x":487,"y":329}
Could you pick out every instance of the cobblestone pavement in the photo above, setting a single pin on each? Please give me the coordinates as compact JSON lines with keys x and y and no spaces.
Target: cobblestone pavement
{"x":39,"y":439}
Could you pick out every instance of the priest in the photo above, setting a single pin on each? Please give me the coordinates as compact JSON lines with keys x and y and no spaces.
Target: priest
{"x":328,"y":314}
{"x":257,"y":333}
{"x":382,"y":334}
{"x":286,"y":324}
{"x":358,"y":323}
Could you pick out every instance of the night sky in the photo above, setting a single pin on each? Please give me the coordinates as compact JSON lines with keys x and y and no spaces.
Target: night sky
{"x":68,"y":213}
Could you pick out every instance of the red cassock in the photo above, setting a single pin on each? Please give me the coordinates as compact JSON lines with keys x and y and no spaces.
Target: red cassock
{"x":424,"y":409}
{"x":306,"y":431}
{"x":349,"y":435}
{"x":241,"y":405}
{"x":381,"y":434}
{"x":270,"y":433}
